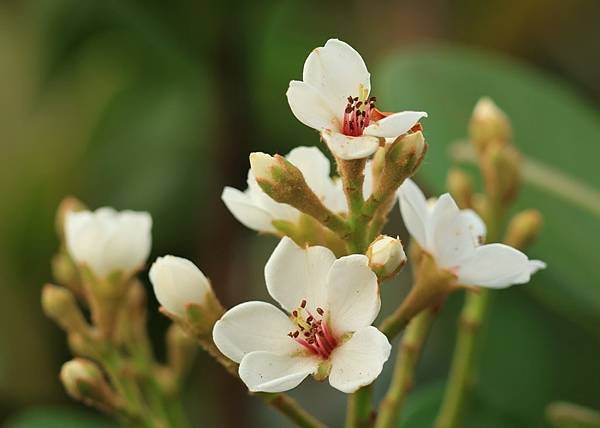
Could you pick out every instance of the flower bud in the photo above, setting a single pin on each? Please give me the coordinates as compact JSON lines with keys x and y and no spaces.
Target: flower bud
{"x":262,"y":166}
{"x":523,"y":229}
{"x":65,"y":271}
{"x":67,"y":205}
{"x":402,"y":159}
{"x":461,"y":187}
{"x":84,"y":381}
{"x":285,"y":183}
{"x":386,"y":256}
{"x":177,"y":283}
{"x":60,"y":305}
{"x":108,"y":241}
{"x":501,"y":168}
{"x":407,"y":152}
{"x":488,"y":124}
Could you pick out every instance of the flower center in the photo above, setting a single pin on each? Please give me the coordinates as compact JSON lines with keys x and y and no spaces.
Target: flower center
{"x":312,"y":333}
{"x":357,"y":115}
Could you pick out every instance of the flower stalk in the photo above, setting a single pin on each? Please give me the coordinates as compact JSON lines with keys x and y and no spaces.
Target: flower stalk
{"x":404,"y":369}
{"x":499,"y":163}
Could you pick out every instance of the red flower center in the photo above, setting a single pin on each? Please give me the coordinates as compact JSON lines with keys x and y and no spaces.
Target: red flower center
{"x":313,"y":333}
{"x":357,"y":116}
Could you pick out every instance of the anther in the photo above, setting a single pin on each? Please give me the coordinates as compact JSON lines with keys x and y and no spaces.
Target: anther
{"x":303,"y":304}
{"x":320,"y":311}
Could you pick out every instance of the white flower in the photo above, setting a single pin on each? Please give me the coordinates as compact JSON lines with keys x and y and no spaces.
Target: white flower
{"x":109,"y":241}
{"x":331,"y":303}
{"x":254,"y":209}
{"x":453,"y":238}
{"x":333,"y":98}
{"x":178,"y":282}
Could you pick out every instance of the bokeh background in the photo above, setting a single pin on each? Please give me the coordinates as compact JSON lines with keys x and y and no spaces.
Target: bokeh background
{"x":156,"y":105}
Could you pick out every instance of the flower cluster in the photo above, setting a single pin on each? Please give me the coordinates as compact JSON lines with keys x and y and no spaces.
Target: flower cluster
{"x":330,"y":262}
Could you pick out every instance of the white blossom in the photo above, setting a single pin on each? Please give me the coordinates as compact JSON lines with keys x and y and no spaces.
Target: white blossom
{"x":178,"y":282}
{"x":453,"y":238}
{"x":333,"y":98}
{"x":331,"y":305}
{"x":108,"y":241}
{"x":256,"y":210}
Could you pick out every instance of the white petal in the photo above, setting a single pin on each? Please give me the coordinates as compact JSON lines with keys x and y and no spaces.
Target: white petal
{"x":294,"y":274}
{"x":177,"y":282}
{"x":359,"y":361}
{"x":497,"y":266}
{"x":475,"y":224}
{"x":352,"y":294}
{"x":310,"y":108}
{"x":254,"y":326}
{"x":368,"y":183}
{"x":246,"y":212}
{"x":314,"y":166}
{"x":336,"y":199}
{"x":395,"y":124}
{"x":348,"y":148}
{"x":415,"y":211}
{"x":269,"y":372}
{"x":337,"y":71}
{"x":454,"y":234}
{"x":128,"y":245}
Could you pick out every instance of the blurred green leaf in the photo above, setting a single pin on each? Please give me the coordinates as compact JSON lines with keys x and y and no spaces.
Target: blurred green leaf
{"x":56,"y":417}
{"x":552,"y":125}
{"x":422,"y":406}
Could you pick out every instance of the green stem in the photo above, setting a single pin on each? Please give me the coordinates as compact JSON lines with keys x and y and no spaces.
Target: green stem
{"x":359,"y":412}
{"x":462,"y":371}
{"x":353,"y":177}
{"x":464,"y":368}
{"x":404,"y":370}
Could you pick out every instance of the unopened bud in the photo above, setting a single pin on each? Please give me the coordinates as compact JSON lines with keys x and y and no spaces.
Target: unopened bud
{"x":67,"y":205}
{"x":402,"y":159}
{"x":501,"y":168}
{"x":407,"y":152}
{"x":84,"y":381}
{"x":285,"y":183}
{"x":177,"y":283}
{"x":461,"y":187}
{"x":65,"y":271}
{"x":488,"y":124}
{"x":386,"y":256}
{"x":523,"y":229}
{"x":60,"y":305}
{"x":279,"y":178}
